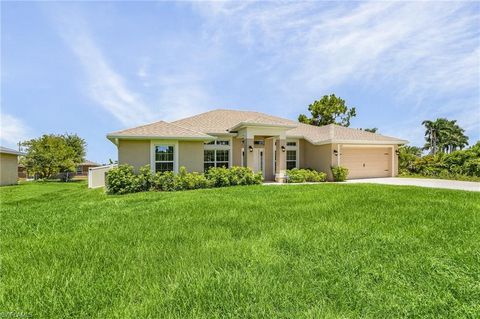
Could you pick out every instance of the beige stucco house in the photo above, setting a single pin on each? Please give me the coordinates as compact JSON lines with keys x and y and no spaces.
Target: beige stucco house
{"x":8,"y":166}
{"x":266,"y":143}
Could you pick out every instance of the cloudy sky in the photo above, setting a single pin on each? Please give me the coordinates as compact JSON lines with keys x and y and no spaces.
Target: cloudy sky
{"x":92,"y":68}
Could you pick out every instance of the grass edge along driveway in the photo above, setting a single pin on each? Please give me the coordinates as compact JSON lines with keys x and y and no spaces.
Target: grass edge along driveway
{"x":309,"y":251}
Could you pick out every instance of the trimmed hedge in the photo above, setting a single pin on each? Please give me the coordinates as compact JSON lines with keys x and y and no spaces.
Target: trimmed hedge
{"x":123,"y":180}
{"x":297,"y":175}
{"x":339,"y":173}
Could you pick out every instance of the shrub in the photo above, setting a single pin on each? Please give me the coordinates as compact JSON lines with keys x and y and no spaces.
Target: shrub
{"x":121,"y":180}
{"x":243,"y":176}
{"x":460,"y":164}
{"x":296,"y":175}
{"x":163,"y":181}
{"x":339,"y":173}
{"x":218,"y":176}
{"x":186,"y":181}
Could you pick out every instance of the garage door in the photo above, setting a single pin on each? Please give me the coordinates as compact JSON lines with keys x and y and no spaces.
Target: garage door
{"x":364,"y":162}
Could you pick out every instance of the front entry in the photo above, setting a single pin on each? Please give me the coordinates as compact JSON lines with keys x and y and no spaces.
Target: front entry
{"x":258,"y":164}
{"x":259,"y":160}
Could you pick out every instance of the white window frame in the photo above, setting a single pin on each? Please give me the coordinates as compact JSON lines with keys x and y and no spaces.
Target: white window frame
{"x":293,"y":148}
{"x":154,"y":144}
{"x":216,"y":147}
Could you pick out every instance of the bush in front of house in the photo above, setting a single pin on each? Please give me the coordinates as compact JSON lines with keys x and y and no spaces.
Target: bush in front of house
{"x":237,"y":175}
{"x":297,"y":175}
{"x":123,"y":180}
{"x":339,"y":173}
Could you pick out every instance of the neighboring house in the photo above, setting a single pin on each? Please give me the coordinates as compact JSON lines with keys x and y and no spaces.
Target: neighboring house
{"x":265,"y":143}
{"x":9,"y":166}
{"x":82,"y":169}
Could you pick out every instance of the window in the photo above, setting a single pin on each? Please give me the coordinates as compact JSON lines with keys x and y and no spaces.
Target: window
{"x":79,"y":170}
{"x":223,"y":142}
{"x":216,"y":154}
{"x":291,"y":143}
{"x":291,"y":159}
{"x":215,"y":158}
{"x":163,"y":158}
{"x":220,"y":142}
{"x":259,"y":142}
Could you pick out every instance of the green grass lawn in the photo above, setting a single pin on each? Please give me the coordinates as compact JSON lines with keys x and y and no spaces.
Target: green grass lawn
{"x":294,"y":251}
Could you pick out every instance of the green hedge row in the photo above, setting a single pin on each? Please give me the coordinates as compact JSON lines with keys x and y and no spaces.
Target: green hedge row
{"x":297,"y":175}
{"x":123,"y":180}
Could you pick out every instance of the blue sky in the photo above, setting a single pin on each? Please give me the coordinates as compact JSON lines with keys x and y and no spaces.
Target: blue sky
{"x":92,"y":68}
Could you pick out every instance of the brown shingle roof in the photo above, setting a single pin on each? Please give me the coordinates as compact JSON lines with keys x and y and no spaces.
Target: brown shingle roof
{"x":220,"y":121}
{"x":224,"y":121}
{"x":336,"y":133}
{"x":160,"y":129}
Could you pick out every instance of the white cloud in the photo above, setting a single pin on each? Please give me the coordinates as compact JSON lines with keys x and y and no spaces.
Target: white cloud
{"x":13,"y":130}
{"x":105,"y":86}
{"x":426,"y":54}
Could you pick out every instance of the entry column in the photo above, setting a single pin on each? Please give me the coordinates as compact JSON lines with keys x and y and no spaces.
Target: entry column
{"x":281,"y":162}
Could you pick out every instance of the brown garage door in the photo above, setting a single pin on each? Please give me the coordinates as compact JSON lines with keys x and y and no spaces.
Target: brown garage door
{"x":364,"y":162}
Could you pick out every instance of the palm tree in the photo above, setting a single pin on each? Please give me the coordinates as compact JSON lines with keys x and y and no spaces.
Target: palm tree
{"x":444,"y":135}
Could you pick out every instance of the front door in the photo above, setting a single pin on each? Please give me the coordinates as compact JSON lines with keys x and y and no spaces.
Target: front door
{"x":259,"y":160}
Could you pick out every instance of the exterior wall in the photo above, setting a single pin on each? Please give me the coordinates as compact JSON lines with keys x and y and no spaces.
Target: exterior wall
{"x":317,"y":157}
{"x":247,"y":155}
{"x":237,"y":151}
{"x":190,"y":155}
{"x":134,"y":152}
{"x":8,"y":169}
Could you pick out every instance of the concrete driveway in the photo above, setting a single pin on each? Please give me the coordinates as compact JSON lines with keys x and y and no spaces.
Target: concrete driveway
{"x":422,"y":182}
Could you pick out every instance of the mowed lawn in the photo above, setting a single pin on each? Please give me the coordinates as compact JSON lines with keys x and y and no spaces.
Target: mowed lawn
{"x":294,"y":251}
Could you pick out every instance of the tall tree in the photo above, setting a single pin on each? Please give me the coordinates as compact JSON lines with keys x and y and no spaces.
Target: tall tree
{"x":444,"y":135}
{"x":51,"y":154}
{"x":330,"y":109}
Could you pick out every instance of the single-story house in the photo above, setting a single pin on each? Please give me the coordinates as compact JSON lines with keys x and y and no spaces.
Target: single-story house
{"x":82,"y":169}
{"x":9,"y":166}
{"x":265,"y":143}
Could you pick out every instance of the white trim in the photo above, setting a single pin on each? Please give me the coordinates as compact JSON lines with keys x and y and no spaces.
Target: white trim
{"x":154,"y":143}
{"x":215,"y":147}
{"x":295,"y":148}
